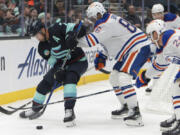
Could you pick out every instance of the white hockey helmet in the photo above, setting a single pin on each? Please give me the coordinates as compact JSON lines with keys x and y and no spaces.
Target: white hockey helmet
{"x":156,"y":26}
{"x":157,"y":8}
{"x":94,"y":8}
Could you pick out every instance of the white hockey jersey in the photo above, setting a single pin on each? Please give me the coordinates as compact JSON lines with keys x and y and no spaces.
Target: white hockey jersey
{"x":172,"y":21}
{"x":168,"y":53}
{"x":116,"y":35}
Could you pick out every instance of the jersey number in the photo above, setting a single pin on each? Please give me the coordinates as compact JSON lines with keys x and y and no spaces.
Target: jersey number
{"x":129,"y":26}
{"x":177,"y":42}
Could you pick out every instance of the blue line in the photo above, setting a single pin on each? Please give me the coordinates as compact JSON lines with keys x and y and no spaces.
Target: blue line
{"x":157,"y":68}
{"x":156,"y":77}
{"x":176,"y":97}
{"x":119,"y":94}
{"x":162,"y":65}
{"x":88,"y":41}
{"x":117,"y":87}
{"x":126,"y":87}
{"x":177,"y":107}
{"x":95,"y":38}
{"x":130,"y":95}
{"x":136,"y":44}
{"x":127,"y":43}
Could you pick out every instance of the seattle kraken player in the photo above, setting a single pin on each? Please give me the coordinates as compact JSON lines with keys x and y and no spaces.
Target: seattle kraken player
{"x":168,"y":52}
{"x":54,"y":46}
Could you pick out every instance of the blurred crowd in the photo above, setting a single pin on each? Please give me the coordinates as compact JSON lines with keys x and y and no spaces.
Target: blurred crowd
{"x":23,"y":17}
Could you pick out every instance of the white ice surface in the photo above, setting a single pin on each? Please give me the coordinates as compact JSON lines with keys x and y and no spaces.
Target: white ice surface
{"x":92,"y":116}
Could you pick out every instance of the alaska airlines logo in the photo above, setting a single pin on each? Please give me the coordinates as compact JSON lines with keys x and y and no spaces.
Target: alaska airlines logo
{"x":33,"y":66}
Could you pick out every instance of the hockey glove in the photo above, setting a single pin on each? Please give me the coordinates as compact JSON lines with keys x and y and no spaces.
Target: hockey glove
{"x":100,"y":61}
{"x":141,"y":80}
{"x":59,"y":76}
{"x":52,"y":61}
{"x":44,"y":49}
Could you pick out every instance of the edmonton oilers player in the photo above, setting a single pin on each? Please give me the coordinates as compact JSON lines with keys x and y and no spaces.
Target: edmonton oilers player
{"x":130,"y":48}
{"x":54,"y":46}
{"x":168,"y":52}
{"x":172,"y":21}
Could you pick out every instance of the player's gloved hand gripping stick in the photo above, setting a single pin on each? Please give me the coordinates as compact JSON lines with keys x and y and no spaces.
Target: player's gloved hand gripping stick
{"x":100,"y":61}
{"x":141,"y":80}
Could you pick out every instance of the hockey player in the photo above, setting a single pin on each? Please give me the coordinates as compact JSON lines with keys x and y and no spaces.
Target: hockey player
{"x":54,"y":47}
{"x":172,"y":21}
{"x":129,"y":46}
{"x":168,"y":49}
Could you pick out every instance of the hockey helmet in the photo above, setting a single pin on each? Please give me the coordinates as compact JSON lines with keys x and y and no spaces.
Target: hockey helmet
{"x":157,"y":8}
{"x":94,"y":9}
{"x":156,"y":26}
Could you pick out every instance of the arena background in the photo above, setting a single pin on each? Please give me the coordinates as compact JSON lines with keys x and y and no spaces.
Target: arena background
{"x":20,"y":65}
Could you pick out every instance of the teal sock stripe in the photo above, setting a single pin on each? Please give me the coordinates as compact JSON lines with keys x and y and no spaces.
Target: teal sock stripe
{"x":70,"y":90}
{"x":39,"y":98}
{"x":56,"y":48}
{"x":83,"y":58}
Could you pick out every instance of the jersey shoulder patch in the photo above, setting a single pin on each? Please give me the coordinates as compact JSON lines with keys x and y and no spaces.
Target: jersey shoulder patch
{"x":169,"y":17}
{"x":166,"y":36}
{"x":102,"y":20}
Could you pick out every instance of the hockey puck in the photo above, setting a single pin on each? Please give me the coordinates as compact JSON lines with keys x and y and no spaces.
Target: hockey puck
{"x":39,"y":127}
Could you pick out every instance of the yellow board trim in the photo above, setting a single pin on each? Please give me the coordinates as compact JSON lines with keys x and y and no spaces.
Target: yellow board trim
{"x":29,"y":93}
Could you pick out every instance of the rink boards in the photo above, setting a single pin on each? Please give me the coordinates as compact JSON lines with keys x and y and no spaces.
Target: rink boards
{"x":21,"y":69}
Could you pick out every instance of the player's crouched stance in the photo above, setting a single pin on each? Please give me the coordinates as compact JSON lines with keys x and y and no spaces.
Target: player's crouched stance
{"x":129,"y":46}
{"x":168,"y":43}
{"x":54,"y":47}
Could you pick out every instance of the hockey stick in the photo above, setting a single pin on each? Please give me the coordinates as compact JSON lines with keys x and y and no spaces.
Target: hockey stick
{"x":84,"y":96}
{"x":104,"y":71}
{"x":37,"y":115}
{"x":20,"y":108}
{"x":5,"y":111}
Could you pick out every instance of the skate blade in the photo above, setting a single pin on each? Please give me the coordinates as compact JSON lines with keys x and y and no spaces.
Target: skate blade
{"x":35,"y":116}
{"x":148,"y":93}
{"x":135,"y":123}
{"x":70,"y":124}
{"x":163,"y":129}
{"x":167,"y":133}
{"x":119,"y":116}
